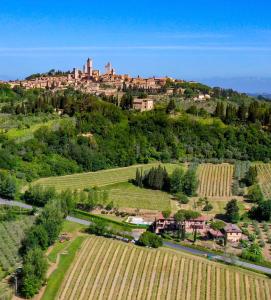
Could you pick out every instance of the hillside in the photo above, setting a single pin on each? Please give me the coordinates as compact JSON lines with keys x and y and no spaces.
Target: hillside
{"x":107,"y":269}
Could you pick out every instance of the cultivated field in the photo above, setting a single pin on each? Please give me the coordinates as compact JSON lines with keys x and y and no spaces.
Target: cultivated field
{"x":99,"y":178}
{"x":215,"y":180}
{"x":126,"y":195}
{"x":264,"y":177}
{"x":11,"y":234}
{"x":108,"y":269}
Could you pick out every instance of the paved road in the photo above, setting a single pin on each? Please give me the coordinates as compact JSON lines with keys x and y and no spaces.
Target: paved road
{"x":168,"y":244}
{"x":15,"y":203}
{"x":220,"y":258}
{"x":79,"y":221}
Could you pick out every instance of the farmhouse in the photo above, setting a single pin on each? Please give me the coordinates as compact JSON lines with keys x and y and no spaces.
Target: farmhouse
{"x":161,"y":225}
{"x":143,"y":104}
{"x":233,"y":233}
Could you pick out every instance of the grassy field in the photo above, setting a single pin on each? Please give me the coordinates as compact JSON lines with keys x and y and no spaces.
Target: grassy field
{"x":108,"y":269}
{"x":99,"y":178}
{"x":68,"y":227}
{"x":264,"y":178}
{"x":218,"y":206}
{"x":58,"y":275}
{"x":215,"y":180}
{"x":127,"y":195}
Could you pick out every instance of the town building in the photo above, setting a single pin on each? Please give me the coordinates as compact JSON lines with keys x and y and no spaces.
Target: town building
{"x":143,"y":104}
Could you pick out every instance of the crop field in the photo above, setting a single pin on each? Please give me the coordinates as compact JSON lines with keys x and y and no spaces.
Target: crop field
{"x":215,"y":180}
{"x":12,"y":233}
{"x":108,"y":269}
{"x":264,"y":178}
{"x":99,"y":178}
{"x":127,"y":195}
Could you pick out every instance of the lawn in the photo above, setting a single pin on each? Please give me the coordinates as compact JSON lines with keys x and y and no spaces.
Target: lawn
{"x":128,"y":195}
{"x":54,"y":281}
{"x":70,"y":228}
{"x":99,"y":178}
{"x":218,"y":206}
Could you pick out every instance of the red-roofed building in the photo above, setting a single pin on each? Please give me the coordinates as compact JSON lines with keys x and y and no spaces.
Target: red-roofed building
{"x":161,"y":225}
{"x":233,"y":233}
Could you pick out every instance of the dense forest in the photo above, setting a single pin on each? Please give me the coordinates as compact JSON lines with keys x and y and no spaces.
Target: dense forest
{"x":105,"y":135}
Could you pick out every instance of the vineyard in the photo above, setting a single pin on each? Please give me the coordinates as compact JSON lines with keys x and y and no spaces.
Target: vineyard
{"x":108,"y":269}
{"x":99,"y":178}
{"x":12,"y":233}
{"x":215,"y":180}
{"x":264,"y":178}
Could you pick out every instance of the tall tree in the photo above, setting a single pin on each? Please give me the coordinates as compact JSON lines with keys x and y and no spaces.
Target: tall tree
{"x":232,"y":211}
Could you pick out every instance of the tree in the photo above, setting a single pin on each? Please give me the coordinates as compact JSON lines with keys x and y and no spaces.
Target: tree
{"x":7,"y":186}
{"x":179,"y":217}
{"x":37,"y":237}
{"x":253,"y":253}
{"x":139,"y":178}
{"x":182,"y":198}
{"x":242,"y":112}
{"x":217,"y":225}
{"x":208,"y":206}
{"x":34,"y":272}
{"x":98,"y":227}
{"x":183,"y":215}
{"x":171,"y":106}
{"x":176,"y":180}
{"x":150,"y":239}
{"x":251,"y":176}
{"x":38,"y":195}
{"x":255,"y":194}
{"x":51,"y":219}
{"x":262,"y":212}
{"x":166,"y":214}
{"x":220,"y":110}
{"x":190,"y":182}
{"x":232,"y":211}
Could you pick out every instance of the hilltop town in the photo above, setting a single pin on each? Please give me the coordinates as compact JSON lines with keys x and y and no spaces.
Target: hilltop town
{"x":109,"y":83}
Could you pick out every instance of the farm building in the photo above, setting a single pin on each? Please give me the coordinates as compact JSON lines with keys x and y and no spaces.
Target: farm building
{"x":233,"y":233}
{"x":143,"y":104}
{"x":160,"y":225}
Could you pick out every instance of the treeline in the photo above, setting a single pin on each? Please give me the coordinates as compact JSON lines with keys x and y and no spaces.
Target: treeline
{"x":180,"y":183}
{"x":253,"y":113}
{"x":52,"y":72}
{"x":41,"y":235}
{"x":87,"y":199}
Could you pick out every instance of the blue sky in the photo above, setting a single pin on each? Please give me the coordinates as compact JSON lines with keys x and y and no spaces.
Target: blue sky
{"x":212,"y":41}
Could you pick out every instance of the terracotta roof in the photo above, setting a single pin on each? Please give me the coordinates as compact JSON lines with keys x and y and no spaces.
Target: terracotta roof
{"x":215,"y":233}
{"x":232,"y":228}
{"x":200,"y":218}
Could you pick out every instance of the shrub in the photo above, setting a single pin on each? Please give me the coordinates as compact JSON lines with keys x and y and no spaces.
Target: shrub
{"x":253,"y":253}
{"x":182,"y":198}
{"x":208,"y":207}
{"x":252,"y":237}
{"x":261,"y":243}
{"x":150,"y":239}
{"x":265,"y":227}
